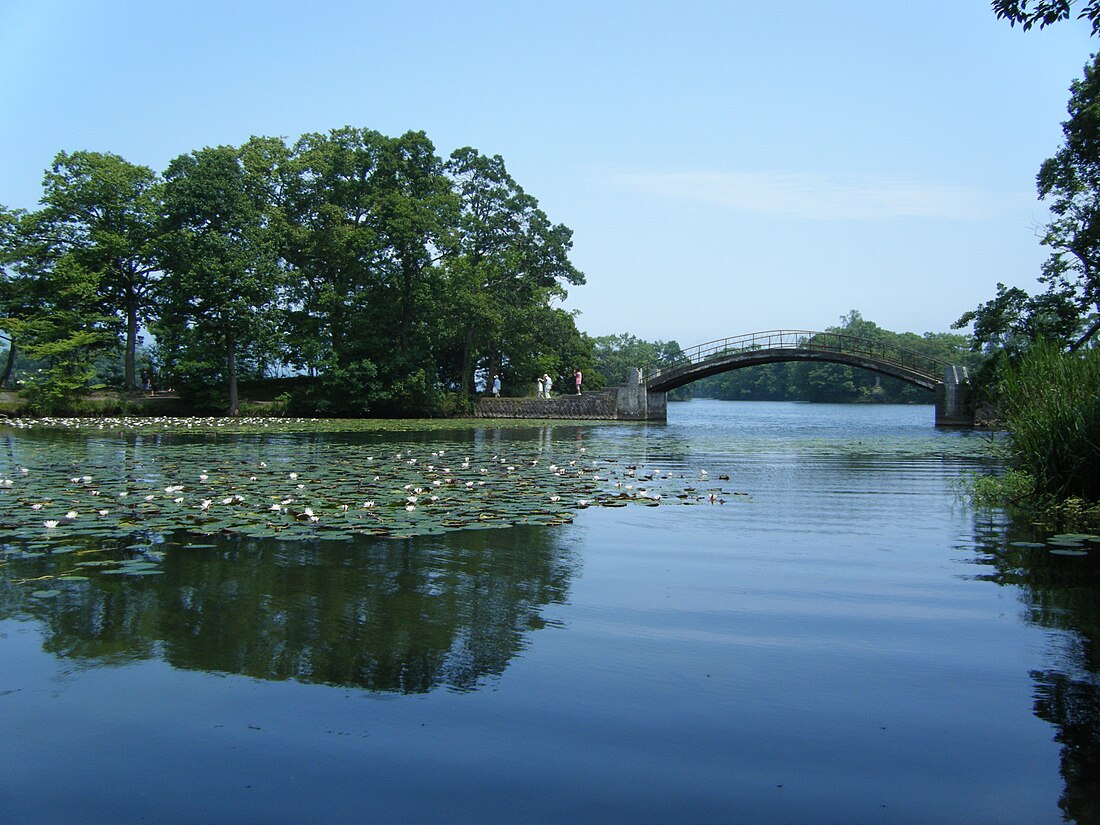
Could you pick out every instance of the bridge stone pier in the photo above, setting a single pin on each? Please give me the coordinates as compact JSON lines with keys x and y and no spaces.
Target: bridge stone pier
{"x":954,"y":402}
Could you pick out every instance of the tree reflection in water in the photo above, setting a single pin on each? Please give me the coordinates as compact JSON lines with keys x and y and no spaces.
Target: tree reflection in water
{"x":403,"y":616}
{"x":1059,"y":592}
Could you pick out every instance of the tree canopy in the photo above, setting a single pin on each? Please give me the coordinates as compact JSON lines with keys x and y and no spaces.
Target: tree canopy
{"x":382,"y":278}
{"x":1043,"y":13}
{"x":1068,"y":312}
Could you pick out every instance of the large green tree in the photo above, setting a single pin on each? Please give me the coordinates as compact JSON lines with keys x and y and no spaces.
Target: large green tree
{"x":1068,"y":312}
{"x":53,"y":310}
{"x":508,"y":264}
{"x":101,"y":210}
{"x":219,"y":292}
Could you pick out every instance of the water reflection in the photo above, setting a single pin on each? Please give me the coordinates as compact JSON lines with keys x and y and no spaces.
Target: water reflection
{"x":1059,"y":592}
{"x":403,"y":616}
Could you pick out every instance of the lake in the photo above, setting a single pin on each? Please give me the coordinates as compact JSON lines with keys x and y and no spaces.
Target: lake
{"x":809,"y":625}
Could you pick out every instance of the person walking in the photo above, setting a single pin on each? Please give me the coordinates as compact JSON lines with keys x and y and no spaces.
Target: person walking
{"x":577,"y":378}
{"x":496,"y":386}
{"x":546,"y":383}
{"x":542,"y":389}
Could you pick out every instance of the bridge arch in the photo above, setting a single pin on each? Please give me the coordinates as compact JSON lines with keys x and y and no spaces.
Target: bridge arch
{"x":772,"y":346}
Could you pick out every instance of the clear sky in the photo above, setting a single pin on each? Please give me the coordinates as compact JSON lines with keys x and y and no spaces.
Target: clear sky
{"x":725,"y":166}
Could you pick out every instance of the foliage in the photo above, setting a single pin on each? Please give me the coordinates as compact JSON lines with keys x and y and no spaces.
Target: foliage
{"x":1051,"y":409}
{"x":1068,"y":312}
{"x":1045,"y":12}
{"x":221,"y":276}
{"x":101,"y":210}
{"x":616,"y":356}
{"x":396,"y":282}
{"x":53,"y":313}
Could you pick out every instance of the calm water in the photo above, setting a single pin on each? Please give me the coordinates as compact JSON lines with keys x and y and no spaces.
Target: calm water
{"x":838,"y":638}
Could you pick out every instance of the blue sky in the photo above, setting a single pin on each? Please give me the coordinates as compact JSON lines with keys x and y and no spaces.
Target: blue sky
{"x":725,"y":166}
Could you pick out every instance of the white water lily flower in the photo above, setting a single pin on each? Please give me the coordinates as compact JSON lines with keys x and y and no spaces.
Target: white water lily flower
{"x":72,"y":514}
{"x":555,"y":498}
{"x":410,"y":507}
{"x":104,"y":512}
{"x":150,"y":497}
{"x":308,"y":511}
{"x":205,"y":504}
{"x":178,"y":500}
{"x":293,"y":476}
{"x":276,"y":508}
{"x":50,"y":524}
{"x":36,"y":506}
{"x":367,"y":505}
{"x":203,"y":477}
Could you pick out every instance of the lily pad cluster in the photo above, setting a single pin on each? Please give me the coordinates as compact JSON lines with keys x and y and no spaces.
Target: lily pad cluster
{"x":58,"y":491}
{"x":1064,"y":544}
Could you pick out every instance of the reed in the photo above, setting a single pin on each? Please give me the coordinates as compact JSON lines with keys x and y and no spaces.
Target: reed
{"x":1050,"y":402}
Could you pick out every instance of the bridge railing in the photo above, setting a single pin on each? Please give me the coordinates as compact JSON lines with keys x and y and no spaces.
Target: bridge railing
{"x":804,"y":340}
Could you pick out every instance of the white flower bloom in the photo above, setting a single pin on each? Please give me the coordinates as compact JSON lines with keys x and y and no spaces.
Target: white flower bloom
{"x":50,"y":524}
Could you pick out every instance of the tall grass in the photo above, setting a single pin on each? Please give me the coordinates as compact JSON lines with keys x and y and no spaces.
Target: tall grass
{"x":1050,"y":403}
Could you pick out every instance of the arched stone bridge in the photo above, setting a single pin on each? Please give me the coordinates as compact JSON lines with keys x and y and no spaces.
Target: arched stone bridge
{"x":949,"y":383}
{"x":772,"y":346}
{"x":644,"y":398}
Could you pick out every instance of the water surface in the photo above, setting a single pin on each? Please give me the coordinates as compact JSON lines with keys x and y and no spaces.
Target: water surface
{"x":833,"y":637}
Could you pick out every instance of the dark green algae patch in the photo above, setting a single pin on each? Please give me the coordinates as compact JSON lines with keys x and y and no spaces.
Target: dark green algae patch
{"x":110,"y":492}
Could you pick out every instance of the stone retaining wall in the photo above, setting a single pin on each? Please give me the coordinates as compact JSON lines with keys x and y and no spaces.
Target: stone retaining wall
{"x":596,"y":404}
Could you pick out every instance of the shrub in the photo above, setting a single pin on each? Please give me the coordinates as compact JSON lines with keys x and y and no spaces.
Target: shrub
{"x":1050,"y":402}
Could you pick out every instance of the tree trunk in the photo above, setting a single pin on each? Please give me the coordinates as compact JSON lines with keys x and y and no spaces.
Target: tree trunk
{"x":129,"y":379}
{"x":10,"y":365}
{"x":467,"y":381}
{"x":231,"y":369}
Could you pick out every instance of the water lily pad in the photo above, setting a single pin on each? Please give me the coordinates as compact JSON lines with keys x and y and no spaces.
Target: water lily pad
{"x":1066,"y":551}
{"x":45,"y":594}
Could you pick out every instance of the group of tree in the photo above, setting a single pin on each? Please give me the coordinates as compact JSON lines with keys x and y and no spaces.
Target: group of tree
{"x":1043,"y":349}
{"x":822,"y":381}
{"x":390,"y":280}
